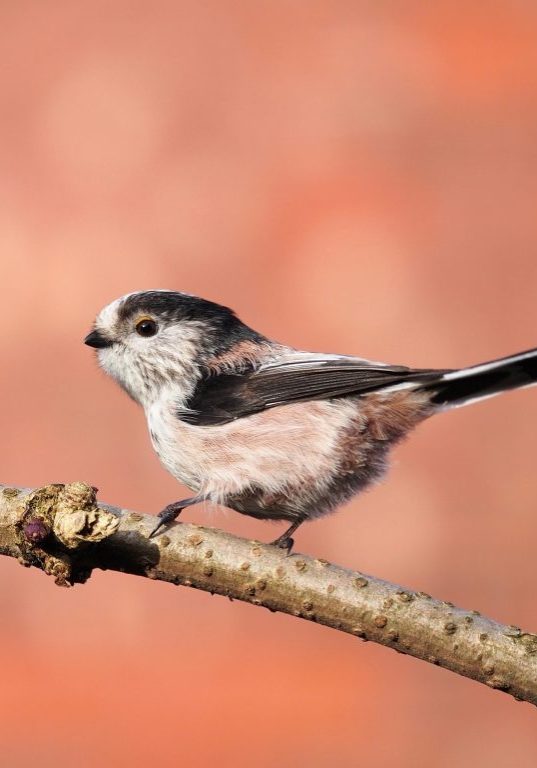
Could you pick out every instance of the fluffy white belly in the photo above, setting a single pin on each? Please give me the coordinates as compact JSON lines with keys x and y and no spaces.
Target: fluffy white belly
{"x":271,"y":450}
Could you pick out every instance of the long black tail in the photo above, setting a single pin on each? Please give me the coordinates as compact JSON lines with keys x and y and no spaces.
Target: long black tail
{"x":456,"y":388}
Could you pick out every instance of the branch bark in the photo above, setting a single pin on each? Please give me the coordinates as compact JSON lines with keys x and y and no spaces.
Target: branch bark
{"x":62,"y":530}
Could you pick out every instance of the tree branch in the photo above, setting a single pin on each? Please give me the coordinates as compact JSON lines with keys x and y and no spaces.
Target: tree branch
{"x":62,"y":530}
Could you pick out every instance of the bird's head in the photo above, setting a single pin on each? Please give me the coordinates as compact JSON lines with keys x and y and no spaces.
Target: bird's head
{"x":152,"y":339}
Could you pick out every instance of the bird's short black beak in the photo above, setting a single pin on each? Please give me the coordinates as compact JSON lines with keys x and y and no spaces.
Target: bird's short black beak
{"x":97,"y":340}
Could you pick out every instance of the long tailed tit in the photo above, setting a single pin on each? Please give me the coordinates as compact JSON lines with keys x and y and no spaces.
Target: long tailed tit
{"x":262,"y":428}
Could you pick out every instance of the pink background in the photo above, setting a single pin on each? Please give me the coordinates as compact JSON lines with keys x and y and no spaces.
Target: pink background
{"x":350,"y":176}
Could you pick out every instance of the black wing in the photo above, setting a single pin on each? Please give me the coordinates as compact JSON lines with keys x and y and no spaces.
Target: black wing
{"x":224,"y":397}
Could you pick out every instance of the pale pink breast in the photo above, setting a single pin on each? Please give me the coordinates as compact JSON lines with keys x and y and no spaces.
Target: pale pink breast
{"x":270,"y":449}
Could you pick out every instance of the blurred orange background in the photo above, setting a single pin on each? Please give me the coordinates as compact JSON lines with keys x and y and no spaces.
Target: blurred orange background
{"x":351,"y":177}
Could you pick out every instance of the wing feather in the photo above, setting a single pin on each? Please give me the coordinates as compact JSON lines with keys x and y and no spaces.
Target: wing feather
{"x":224,"y":397}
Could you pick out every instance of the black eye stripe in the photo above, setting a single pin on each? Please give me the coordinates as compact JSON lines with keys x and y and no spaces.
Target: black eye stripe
{"x":146,"y":328}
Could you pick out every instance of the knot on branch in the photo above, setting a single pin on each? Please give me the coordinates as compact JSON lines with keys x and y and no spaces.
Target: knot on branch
{"x":58,"y":524}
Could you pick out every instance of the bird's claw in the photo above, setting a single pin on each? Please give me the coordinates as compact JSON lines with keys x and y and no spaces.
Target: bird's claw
{"x":166,"y":516}
{"x":157,"y":527}
{"x":284,"y":542}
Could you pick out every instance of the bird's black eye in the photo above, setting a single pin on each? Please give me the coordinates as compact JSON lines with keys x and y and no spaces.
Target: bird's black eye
{"x":146,"y":327}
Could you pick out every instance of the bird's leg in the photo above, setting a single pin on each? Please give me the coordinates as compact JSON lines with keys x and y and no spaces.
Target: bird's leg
{"x":172,"y":511}
{"x":285,"y":541}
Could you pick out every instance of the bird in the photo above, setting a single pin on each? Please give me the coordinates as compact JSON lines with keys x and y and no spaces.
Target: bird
{"x":262,"y":428}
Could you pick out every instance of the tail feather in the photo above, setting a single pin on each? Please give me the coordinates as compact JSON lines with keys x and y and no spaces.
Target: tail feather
{"x":457,"y":388}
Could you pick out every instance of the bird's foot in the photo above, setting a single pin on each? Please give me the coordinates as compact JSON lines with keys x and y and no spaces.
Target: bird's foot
{"x":167,"y":516}
{"x":284,"y":542}
{"x":172,"y":512}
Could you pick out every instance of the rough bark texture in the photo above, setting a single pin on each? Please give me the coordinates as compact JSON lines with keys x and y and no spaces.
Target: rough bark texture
{"x":62,"y":530}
